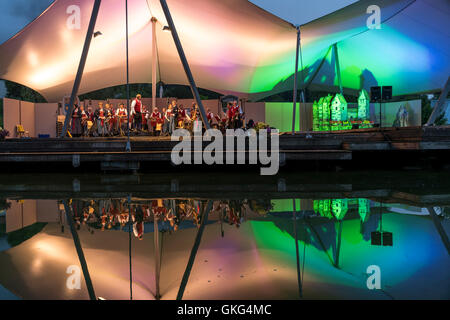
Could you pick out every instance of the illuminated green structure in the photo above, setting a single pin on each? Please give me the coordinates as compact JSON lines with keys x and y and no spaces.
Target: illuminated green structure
{"x":339,"y":113}
{"x":316,"y":122}
{"x":363,"y":209}
{"x":323,"y":208}
{"x":339,"y":208}
{"x":326,"y":116}
{"x":364,"y":110}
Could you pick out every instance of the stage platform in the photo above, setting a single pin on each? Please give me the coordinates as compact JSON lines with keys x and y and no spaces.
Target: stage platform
{"x":355,"y":146}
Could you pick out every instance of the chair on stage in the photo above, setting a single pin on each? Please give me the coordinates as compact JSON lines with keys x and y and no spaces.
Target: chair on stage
{"x":20,"y":131}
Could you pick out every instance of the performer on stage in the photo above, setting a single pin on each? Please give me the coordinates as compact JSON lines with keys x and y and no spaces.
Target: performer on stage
{"x":223,"y":122}
{"x":156,"y":121}
{"x":169,"y":118}
{"x":84,"y":119}
{"x":175,"y":111}
{"x":231,"y":113}
{"x":76,"y":128}
{"x":136,"y":107}
{"x":196,"y":118}
{"x":165,"y":123}
{"x":183,"y":117}
{"x":108,"y":120}
{"x":145,"y":113}
{"x":210,"y":117}
{"x":100,"y":116}
{"x":237,"y":112}
{"x":113,"y":120}
{"x":121,"y":119}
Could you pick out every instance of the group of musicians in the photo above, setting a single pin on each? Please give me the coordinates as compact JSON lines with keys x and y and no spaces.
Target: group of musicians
{"x":107,"y":121}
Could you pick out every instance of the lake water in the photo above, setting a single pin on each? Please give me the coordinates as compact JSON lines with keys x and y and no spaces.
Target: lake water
{"x":359,"y":235}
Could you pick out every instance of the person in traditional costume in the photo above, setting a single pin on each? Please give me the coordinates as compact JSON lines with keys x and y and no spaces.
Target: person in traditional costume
{"x":121,"y":119}
{"x":210,"y":117}
{"x":183,"y":117}
{"x":113,"y":120}
{"x":100,"y":117}
{"x":136,"y":106}
{"x":155,"y":122}
{"x":108,"y":116}
{"x":84,"y":119}
{"x":166,"y":117}
{"x":237,"y":112}
{"x":76,"y":127}
{"x":175,"y":114}
{"x":231,"y":114}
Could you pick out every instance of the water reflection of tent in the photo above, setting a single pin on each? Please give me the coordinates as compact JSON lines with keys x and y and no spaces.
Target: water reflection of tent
{"x":413,"y":234}
{"x":164,"y":226}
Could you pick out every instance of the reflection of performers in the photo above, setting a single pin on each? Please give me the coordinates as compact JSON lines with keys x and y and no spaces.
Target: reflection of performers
{"x":76,"y":128}
{"x":138,"y":223}
{"x":136,"y":108}
{"x":121,"y":119}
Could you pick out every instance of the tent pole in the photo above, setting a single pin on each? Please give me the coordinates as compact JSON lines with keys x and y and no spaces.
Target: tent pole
{"x":299,"y":278}
{"x":76,"y":85}
{"x":295,"y":80}
{"x":154,"y":65}
{"x":338,"y":68}
{"x":184,"y":61}
{"x":439,"y":228}
{"x":157,"y":256}
{"x":194,"y":250}
{"x":128,"y":146}
{"x":441,"y":102}
{"x":76,"y":240}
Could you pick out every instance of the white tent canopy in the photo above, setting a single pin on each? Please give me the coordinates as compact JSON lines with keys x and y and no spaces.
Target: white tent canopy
{"x":233,"y":46}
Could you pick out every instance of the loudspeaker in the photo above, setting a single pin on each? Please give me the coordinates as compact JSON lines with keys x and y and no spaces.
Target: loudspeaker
{"x":387,"y":93}
{"x":375,"y":93}
{"x":387,"y":239}
{"x":376,"y":238}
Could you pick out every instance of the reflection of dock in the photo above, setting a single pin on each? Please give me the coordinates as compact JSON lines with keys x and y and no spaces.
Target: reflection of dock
{"x":415,"y":188}
{"x":408,"y":145}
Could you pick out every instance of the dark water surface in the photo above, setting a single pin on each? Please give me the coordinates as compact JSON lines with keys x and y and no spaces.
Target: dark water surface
{"x":358,"y":235}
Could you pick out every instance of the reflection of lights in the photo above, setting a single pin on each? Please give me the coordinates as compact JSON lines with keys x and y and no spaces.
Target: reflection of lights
{"x":37,"y":263}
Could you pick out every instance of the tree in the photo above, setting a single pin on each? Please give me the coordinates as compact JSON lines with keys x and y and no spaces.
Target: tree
{"x":20,"y":92}
{"x":427,"y":110}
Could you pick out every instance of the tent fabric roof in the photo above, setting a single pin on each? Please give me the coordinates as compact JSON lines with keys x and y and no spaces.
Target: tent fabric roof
{"x":234,"y":46}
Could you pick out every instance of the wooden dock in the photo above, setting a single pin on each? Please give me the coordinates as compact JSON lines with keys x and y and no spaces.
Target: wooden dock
{"x":355,"y":146}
